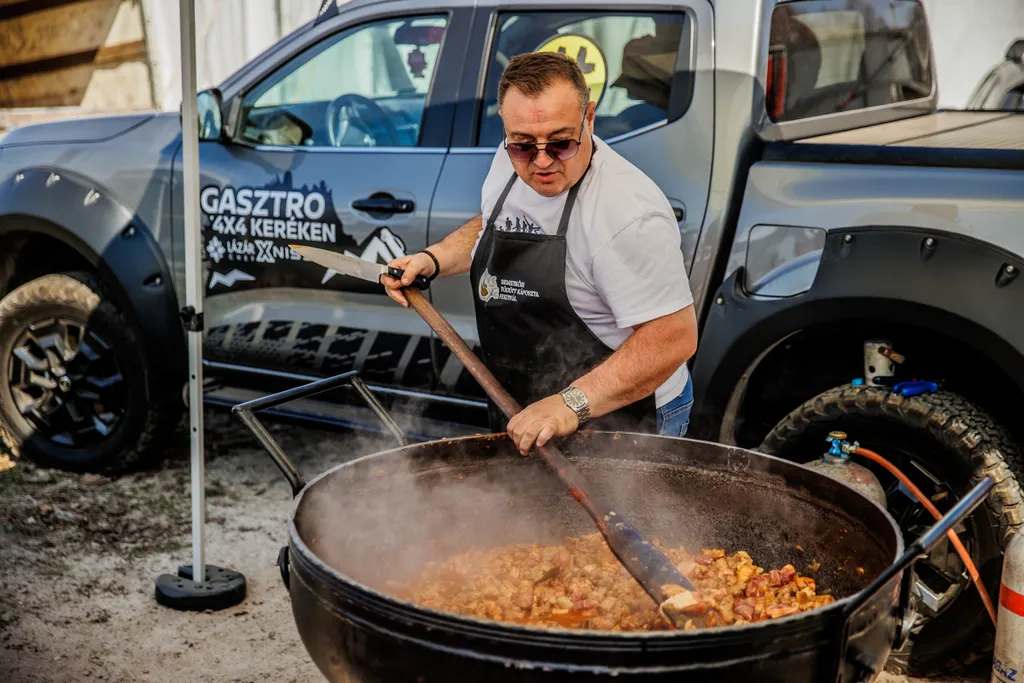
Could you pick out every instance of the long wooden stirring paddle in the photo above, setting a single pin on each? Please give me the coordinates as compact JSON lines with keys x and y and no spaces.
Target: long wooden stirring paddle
{"x":649,"y":566}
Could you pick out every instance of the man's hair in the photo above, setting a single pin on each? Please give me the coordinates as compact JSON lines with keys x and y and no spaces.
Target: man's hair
{"x":532,"y":73}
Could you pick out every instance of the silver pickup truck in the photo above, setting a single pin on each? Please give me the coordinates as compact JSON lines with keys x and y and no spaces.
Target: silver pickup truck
{"x":853,"y":252}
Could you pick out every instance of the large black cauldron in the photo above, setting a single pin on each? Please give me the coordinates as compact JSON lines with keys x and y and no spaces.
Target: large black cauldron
{"x":382,"y":516}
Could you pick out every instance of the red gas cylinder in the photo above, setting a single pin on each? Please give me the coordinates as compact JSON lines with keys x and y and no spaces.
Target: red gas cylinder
{"x":1008,"y":659}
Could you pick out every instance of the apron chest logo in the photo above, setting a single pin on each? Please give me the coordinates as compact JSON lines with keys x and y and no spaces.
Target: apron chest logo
{"x":488,"y":288}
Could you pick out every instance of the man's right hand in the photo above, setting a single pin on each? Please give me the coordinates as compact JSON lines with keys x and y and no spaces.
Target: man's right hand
{"x":454,"y":252}
{"x":413,"y":265}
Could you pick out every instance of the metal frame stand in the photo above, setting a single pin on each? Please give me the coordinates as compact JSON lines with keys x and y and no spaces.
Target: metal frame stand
{"x":200,"y":586}
{"x":246,"y":413}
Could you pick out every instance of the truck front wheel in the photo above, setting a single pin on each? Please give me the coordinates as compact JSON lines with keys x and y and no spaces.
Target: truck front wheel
{"x":945,"y":444}
{"x":74,"y":393}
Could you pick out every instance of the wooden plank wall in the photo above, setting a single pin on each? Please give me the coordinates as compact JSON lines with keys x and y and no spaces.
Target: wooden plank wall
{"x":73,"y":53}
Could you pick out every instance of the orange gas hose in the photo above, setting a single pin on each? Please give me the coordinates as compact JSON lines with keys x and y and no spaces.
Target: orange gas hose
{"x":953,"y":538}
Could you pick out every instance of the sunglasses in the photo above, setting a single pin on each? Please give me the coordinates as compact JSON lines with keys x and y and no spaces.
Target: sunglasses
{"x":559,"y":150}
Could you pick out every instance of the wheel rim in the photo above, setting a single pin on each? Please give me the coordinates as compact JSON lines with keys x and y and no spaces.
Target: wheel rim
{"x":941,"y":576}
{"x":66,"y":383}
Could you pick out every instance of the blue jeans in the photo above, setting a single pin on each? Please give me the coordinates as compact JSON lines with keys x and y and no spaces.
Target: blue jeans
{"x":674,"y":416}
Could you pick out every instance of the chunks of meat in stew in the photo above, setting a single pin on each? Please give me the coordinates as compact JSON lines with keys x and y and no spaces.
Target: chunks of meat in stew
{"x":581,"y":584}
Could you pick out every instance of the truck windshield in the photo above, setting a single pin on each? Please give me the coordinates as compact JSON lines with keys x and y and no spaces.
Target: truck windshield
{"x":832,"y":56}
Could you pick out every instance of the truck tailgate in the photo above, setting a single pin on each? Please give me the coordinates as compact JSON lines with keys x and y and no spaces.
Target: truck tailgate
{"x":971,"y":139}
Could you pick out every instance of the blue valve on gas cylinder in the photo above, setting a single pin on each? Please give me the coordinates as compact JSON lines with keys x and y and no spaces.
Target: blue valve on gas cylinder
{"x":840,"y":448}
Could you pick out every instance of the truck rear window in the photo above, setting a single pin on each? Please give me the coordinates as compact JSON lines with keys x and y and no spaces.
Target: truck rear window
{"x":832,"y":56}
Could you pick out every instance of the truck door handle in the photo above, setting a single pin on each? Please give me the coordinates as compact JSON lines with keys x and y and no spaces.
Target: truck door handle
{"x":384,"y":204}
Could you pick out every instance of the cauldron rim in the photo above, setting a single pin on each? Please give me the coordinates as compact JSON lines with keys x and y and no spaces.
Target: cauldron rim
{"x":459,"y":622}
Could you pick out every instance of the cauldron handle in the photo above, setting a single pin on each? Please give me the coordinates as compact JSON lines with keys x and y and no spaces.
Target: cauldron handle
{"x":246,"y":412}
{"x":920,"y":548}
{"x":284,"y":565}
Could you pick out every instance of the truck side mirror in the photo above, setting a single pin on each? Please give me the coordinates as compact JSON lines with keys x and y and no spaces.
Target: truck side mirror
{"x":211,"y":118}
{"x":1016,"y":51}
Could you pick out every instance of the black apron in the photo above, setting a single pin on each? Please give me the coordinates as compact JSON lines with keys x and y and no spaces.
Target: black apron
{"x":530,"y":336}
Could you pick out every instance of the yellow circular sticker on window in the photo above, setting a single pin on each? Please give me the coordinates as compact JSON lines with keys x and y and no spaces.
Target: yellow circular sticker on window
{"x":587,"y":54}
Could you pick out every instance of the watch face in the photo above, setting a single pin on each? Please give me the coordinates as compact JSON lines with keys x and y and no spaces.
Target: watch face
{"x":575,"y":398}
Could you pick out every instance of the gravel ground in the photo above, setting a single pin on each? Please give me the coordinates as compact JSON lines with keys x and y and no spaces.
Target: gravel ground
{"x":79,"y":555}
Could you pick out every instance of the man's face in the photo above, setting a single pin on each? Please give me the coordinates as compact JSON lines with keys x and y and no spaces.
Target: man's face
{"x":553,"y":115}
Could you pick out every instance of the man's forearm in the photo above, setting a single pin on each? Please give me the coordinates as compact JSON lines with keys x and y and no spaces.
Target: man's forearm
{"x":454,"y":252}
{"x":642,"y":364}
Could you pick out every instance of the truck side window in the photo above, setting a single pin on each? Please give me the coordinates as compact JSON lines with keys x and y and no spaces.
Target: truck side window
{"x":629,"y":60}
{"x":832,"y":56}
{"x":366,"y":87}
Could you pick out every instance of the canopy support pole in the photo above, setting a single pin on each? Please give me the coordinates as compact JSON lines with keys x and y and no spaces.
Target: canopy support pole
{"x":199,"y":586}
{"x":193,"y":283}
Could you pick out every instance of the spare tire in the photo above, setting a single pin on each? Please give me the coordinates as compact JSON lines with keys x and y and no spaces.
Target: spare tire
{"x":945,"y":444}
{"x":75,"y":391}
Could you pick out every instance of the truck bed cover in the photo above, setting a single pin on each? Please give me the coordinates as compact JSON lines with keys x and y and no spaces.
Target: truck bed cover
{"x":960,"y":139}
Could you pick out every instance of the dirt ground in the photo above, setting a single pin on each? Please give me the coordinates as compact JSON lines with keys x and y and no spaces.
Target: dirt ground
{"x":79,"y":556}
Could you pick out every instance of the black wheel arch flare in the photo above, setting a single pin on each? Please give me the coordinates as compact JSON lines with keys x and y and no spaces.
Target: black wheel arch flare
{"x":89,"y":219}
{"x":964,"y":288}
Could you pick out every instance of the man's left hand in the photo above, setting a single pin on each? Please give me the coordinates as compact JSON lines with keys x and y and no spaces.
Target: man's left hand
{"x":542,"y":421}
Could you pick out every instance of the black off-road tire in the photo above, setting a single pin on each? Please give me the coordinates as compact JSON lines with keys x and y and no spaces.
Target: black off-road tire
{"x":962,"y":442}
{"x":151,"y":412}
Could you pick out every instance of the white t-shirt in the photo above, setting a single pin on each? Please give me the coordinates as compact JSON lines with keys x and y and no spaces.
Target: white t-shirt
{"x":624,"y":262}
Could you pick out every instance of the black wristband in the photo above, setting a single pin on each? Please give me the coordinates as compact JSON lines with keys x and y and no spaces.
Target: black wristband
{"x":437,"y":266}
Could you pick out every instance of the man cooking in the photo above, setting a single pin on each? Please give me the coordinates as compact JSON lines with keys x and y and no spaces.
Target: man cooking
{"x":583,"y":307}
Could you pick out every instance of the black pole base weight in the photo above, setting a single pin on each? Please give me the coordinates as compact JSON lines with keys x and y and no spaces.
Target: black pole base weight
{"x":223,"y":588}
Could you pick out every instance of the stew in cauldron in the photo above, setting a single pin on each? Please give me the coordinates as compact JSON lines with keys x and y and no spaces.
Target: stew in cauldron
{"x":580,"y":584}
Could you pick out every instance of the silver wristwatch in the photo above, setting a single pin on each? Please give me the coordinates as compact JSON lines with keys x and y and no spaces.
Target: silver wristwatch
{"x":577,"y":400}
